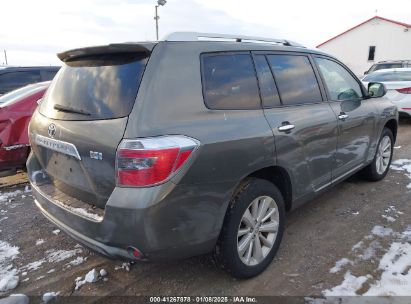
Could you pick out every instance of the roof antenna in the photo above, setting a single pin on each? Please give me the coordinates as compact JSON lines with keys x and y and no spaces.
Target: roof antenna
{"x":376,"y":12}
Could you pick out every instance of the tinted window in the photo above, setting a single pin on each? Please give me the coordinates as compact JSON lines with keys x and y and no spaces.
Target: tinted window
{"x":340,"y":84}
{"x":48,"y":74}
{"x":268,"y":90}
{"x":14,"y":80}
{"x":389,"y":76}
{"x":384,"y":66}
{"x":101,"y":87}
{"x":229,"y":82}
{"x":371,"y":53}
{"x":295,"y":79}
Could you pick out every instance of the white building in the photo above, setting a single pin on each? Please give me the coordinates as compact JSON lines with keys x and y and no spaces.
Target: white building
{"x":374,"y":40}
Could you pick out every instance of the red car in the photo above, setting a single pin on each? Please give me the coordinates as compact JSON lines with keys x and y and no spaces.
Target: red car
{"x":16,"y":109}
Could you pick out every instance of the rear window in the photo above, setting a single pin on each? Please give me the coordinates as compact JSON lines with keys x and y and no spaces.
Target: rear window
{"x":229,"y":82}
{"x":93,"y":88}
{"x":389,"y":76}
{"x":384,"y":66}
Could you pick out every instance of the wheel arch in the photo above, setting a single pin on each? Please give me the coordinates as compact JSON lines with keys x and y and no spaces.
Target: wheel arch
{"x":393,"y":126}
{"x":278,"y":176}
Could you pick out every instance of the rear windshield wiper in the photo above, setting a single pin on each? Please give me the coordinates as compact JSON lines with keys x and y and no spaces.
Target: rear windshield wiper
{"x":70,"y":110}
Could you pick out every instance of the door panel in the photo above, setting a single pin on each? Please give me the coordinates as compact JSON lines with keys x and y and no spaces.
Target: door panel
{"x":307,"y":151}
{"x":354,"y":134}
{"x":356,"y":116}
{"x":304,"y":127}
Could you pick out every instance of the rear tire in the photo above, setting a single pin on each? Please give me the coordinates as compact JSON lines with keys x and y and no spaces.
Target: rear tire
{"x":252,"y":230}
{"x":380,"y":165}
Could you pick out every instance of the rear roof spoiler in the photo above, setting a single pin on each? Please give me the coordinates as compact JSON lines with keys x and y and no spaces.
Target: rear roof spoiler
{"x":130,"y":47}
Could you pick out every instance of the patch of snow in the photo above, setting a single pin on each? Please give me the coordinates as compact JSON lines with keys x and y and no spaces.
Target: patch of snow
{"x":77,"y":261}
{"x":56,"y":232}
{"x":48,"y":296}
{"x":39,"y":242}
{"x":370,"y":251}
{"x":15,"y":299}
{"x":125,"y":266}
{"x":54,"y":256}
{"x":8,"y":275}
{"x":27,"y":189}
{"x":403,"y":165}
{"x":34,"y":265}
{"x":348,"y":287}
{"x":25,"y":280}
{"x":7,"y":196}
{"x":396,"y":276}
{"x":357,"y":246}
{"x":84,"y":212}
{"x":4,"y":218}
{"x":103,"y":272}
{"x":381,"y":231}
{"x":398,"y":147}
{"x":389,"y":218}
{"x":24,"y":273}
{"x":340,"y":264}
{"x":91,"y":277}
{"x":40,"y":277}
{"x":51,"y":270}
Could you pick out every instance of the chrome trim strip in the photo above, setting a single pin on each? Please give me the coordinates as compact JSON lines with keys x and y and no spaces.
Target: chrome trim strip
{"x":339,"y":178}
{"x":14,"y":147}
{"x":57,"y":145}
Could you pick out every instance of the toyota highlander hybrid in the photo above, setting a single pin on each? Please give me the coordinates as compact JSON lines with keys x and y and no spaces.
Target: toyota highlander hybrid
{"x":200,"y":143}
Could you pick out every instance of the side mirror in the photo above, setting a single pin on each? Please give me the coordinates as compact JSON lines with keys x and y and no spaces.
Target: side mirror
{"x":376,"y":89}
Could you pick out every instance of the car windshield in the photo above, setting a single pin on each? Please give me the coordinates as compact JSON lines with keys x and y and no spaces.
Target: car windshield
{"x":388,"y":76}
{"x":16,"y":95}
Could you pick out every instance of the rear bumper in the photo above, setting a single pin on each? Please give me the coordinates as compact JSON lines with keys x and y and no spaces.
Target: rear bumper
{"x":164,"y":222}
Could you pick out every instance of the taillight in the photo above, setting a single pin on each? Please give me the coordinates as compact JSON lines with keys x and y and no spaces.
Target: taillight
{"x":151,"y":161}
{"x":404,"y":91}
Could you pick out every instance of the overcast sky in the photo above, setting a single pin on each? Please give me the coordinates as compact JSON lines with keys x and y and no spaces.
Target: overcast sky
{"x":32,"y":32}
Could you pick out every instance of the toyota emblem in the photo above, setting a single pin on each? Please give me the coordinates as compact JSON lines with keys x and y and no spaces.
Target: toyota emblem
{"x":52,"y":130}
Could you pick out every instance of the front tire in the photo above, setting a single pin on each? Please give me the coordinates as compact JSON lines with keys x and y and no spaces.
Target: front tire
{"x":252,"y":230}
{"x":380,"y":165}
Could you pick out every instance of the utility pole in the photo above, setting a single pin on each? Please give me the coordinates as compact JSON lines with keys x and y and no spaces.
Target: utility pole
{"x":156,"y":17}
{"x":5,"y":56}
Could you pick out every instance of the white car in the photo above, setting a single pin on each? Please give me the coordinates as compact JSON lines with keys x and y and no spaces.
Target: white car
{"x":398,"y":84}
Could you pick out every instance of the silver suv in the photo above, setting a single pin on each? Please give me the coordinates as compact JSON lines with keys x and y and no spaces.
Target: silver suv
{"x":200,"y":143}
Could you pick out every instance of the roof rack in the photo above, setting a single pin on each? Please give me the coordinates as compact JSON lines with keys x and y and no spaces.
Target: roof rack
{"x":195,"y":36}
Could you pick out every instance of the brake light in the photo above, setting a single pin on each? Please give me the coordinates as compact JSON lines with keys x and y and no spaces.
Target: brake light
{"x":404,"y":91}
{"x":151,"y":161}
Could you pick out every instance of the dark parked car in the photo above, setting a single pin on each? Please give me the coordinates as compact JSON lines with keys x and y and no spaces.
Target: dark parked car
{"x":16,"y":108}
{"x":390,"y":64}
{"x":12,"y":78}
{"x":158,"y":151}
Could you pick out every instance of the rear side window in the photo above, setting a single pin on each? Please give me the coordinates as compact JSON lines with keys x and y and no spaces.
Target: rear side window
{"x":229,"y":82}
{"x":93,"y":88}
{"x":295,"y":79}
{"x":268,"y":90}
{"x":14,"y":80}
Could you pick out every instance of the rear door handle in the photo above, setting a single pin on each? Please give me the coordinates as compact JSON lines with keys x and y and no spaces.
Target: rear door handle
{"x":285,"y":128}
{"x":343,"y":116}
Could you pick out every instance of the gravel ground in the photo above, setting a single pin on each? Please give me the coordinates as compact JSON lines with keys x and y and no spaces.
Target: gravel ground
{"x":318,"y":235}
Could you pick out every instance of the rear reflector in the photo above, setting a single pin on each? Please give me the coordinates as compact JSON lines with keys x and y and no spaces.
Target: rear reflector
{"x":404,"y":91}
{"x":151,"y":161}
